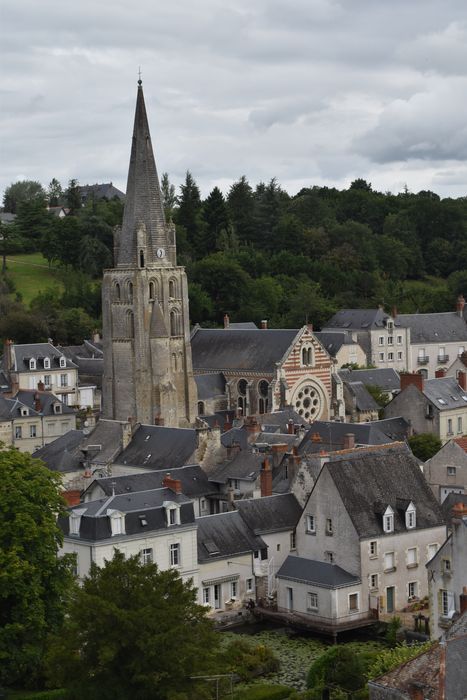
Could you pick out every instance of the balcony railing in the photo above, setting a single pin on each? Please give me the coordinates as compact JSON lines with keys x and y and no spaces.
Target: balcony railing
{"x":443,"y":358}
{"x":423,"y":360}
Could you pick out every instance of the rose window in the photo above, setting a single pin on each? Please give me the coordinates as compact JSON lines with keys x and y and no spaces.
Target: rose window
{"x":307,"y":402}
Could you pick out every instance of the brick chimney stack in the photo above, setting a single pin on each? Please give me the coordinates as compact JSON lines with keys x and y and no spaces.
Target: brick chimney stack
{"x":8,"y":354}
{"x":226,"y":321}
{"x":37,"y":403}
{"x":266,"y":478}
{"x":290,"y":427}
{"x":407,"y":379}
{"x":440,"y":373}
{"x":174,"y":485}
{"x":293,"y":465}
{"x":460,"y":305}
{"x":41,"y":386}
{"x":349,"y":441}
{"x":264,"y":324}
{"x":461,"y":378}
{"x":158,"y":420}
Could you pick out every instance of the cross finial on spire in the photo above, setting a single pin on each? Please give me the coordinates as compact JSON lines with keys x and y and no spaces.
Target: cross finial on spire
{"x":140,"y":82}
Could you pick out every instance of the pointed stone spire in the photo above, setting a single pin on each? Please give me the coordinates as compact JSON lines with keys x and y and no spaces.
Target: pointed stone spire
{"x":144,"y":231}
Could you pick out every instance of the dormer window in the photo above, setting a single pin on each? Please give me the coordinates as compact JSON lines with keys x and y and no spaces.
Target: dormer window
{"x":57,"y":408}
{"x":62,"y":362}
{"x":172,"y":513}
{"x":117,"y":522}
{"x":390,"y":325}
{"x":388,"y":520}
{"x":24,"y":411}
{"x":75,"y":520}
{"x":46,"y":363}
{"x":410,"y":516}
{"x":32,"y":363}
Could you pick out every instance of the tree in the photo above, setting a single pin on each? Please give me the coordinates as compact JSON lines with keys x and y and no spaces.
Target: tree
{"x":73,"y":195}
{"x":10,"y":242}
{"x":341,"y":667}
{"x":215,"y":215}
{"x":132,"y":631}
{"x":241,"y":204}
{"x":22,"y":191}
{"x":54,"y":193}
{"x":34,"y":582}
{"x":169,"y":198}
{"x":189,"y":215}
{"x":424,"y":445}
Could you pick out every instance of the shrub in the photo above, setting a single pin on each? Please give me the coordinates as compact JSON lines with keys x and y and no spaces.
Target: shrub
{"x":249,"y":660}
{"x":264,"y":692}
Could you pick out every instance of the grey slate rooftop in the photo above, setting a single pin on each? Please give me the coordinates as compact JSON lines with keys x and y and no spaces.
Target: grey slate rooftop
{"x":10,"y":409}
{"x":210,"y":385}
{"x":103,"y":444}
{"x":362,"y":397}
{"x":445,"y":393}
{"x":158,"y":447}
{"x":63,"y":454}
{"x":225,"y":535}
{"x":357,"y":319}
{"x":370,"y":479}
{"x":239,"y":350}
{"x":22,"y":353}
{"x":434,"y":328}
{"x":270,"y":513}
{"x":245,"y":465}
{"x":332,"y":341}
{"x":331,"y":434}
{"x":386,"y":378}
{"x":47,"y":401}
{"x":319,"y":573}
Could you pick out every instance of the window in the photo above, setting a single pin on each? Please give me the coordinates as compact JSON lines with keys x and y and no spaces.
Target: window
{"x":46,"y":363}
{"x":399,"y":340}
{"x":172,"y":516}
{"x":293,"y":541}
{"x":329,"y":557}
{"x":234,"y":484}
{"x":172,"y":513}
{"x":172,"y":289}
{"x":233,"y":589}
{"x":117,"y":524}
{"x":446,"y":602}
{"x":174,"y":323}
{"x":249,"y":585}
{"x":431,"y":550}
{"x":412,"y":589}
{"x":18,"y":432}
{"x":410,"y":517}
{"x":329,"y":526}
{"x":381,"y":356}
{"x":175,"y":554}
{"x":63,"y":380}
{"x":62,"y":362}
{"x":412,"y":557}
{"x":374,"y":581}
{"x":57,"y":408}
{"x":390,"y":356}
{"x":388,"y":520}
{"x":353,"y":602}
{"x":389,"y":561}
{"x":75,"y":522}
{"x":373,"y":548}
{"x":310,"y":523}
{"x":278,"y":547}
{"x":312,"y":602}
{"x":381,"y":340}
{"x":47,"y":381}
{"x":307,"y":356}
{"x":33,"y":431}
{"x":399,"y":356}
{"x":146,"y":556}
{"x":207,"y":595}
{"x":32,"y":364}
{"x":390,"y":340}
{"x":459,"y":424}
{"x":446,"y":566}
{"x":451,"y":471}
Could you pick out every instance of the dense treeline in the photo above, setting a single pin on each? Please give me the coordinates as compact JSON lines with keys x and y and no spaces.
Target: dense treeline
{"x":259,"y":252}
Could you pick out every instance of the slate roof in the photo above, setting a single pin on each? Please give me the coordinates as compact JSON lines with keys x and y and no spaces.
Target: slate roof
{"x":319,"y":573}
{"x":95,"y":524}
{"x":357,"y":319}
{"x":210,"y":385}
{"x":11,"y":409}
{"x":281,"y":419}
{"x":371,"y":433}
{"x":37,"y":351}
{"x":446,"y":327}
{"x":47,"y":401}
{"x":89,"y":358}
{"x":386,"y":378}
{"x":332,"y":341}
{"x":445,"y":393}
{"x":369,"y":480}
{"x":239,"y":350}
{"x":276,"y":439}
{"x":103,"y":444}
{"x":158,"y":447}
{"x":242,"y":325}
{"x":235,"y":436}
{"x":363,"y":399}
{"x":5,"y":384}
{"x":100,"y":191}
{"x":449,"y":502}
{"x":194,"y":482}
{"x":245,"y":465}
{"x":64,"y":453}
{"x":225,"y":535}
{"x":270,"y":513}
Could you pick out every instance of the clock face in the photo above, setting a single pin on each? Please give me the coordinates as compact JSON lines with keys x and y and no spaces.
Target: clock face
{"x":160,"y":252}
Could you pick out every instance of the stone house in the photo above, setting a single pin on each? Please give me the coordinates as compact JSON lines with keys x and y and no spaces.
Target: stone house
{"x":372,"y":515}
{"x":266,"y":370}
{"x":446,"y":471}
{"x":447,"y":575}
{"x":437,"y":406}
{"x":342,"y":347}
{"x":385,"y":342}
{"x":436,"y":339}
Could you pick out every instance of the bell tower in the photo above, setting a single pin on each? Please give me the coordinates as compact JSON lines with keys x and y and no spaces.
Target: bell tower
{"x":148,"y":371}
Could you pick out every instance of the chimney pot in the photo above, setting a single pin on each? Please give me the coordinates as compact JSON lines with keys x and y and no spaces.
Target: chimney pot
{"x":290,"y":427}
{"x":460,"y":305}
{"x":462,"y":379}
{"x":349,"y":441}
{"x":408,"y":378}
{"x":264,"y":324}
{"x":266,"y":478}
{"x":226,"y":321}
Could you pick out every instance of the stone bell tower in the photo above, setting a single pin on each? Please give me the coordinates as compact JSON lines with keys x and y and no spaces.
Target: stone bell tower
{"x":148,"y":372}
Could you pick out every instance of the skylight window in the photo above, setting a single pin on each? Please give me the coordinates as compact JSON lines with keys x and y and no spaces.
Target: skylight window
{"x":464,"y":397}
{"x":211,"y":547}
{"x":442,"y":402}
{"x":143,"y":520}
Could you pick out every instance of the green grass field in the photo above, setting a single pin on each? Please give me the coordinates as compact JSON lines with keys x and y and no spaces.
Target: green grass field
{"x":31,"y":274}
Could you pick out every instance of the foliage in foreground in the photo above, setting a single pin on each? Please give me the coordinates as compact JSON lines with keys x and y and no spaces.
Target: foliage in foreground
{"x":33,"y":582}
{"x":342,"y":668}
{"x":424,"y":445}
{"x":132,"y":631}
{"x":391,"y":658}
{"x":264,"y":691}
{"x":248,"y":660}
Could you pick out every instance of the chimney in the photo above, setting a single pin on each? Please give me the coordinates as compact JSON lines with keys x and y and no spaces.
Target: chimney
{"x":407,"y":379}
{"x":266,"y":478}
{"x":440,"y":373}
{"x":463,"y":600}
{"x":460,"y":305}
{"x":227,"y":423}
{"x":264,"y":324}
{"x":41,"y":386}
{"x":463,"y":358}
{"x":394,"y":312}
{"x":252,"y":426}
{"x":416,"y":691}
{"x":96,"y":337}
{"x":158,"y":420}
{"x":277,"y":451}
{"x":461,"y":378}
{"x":233,"y":450}
{"x":349,"y":441}
{"x":8,"y":354}
{"x":230,"y":498}
{"x":72,"y":498}
{"x":310,"y":327}
{"x":226,"y":321}
{"x":37,"y":403}
{"x":459,"y":511}
{"x":290,"y":427}
{"x":174,"y":485}
{"x":316,"y":437}
{"x":294,"y":463}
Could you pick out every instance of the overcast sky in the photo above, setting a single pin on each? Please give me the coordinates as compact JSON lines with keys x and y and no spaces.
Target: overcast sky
{"x":307,"y":91}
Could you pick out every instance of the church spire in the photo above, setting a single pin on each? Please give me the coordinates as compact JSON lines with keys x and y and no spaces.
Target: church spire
{"x":145,"y":237}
